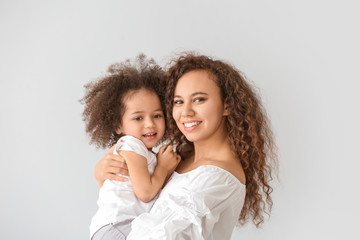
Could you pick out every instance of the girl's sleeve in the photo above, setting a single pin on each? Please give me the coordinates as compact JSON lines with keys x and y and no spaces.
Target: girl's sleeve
{"x":131,"y":144}
{"x":193,"y":211}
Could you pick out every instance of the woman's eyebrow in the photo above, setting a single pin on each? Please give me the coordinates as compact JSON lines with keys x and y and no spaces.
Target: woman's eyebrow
{"x":199,"y":93}
{"x":193,"y":94}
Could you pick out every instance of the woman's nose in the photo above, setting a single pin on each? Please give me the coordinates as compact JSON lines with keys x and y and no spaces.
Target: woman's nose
{"x":187,"y":110}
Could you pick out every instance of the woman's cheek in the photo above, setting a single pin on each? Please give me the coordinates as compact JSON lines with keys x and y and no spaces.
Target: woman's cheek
{"x":176,"y":116}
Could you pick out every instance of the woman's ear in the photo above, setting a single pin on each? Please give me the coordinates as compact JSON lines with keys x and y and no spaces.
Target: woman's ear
{"x":226,"y":110}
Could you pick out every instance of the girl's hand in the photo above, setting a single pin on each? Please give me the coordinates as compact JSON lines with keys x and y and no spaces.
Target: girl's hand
{"x":109,"y":166}
{"x":168,"y":159}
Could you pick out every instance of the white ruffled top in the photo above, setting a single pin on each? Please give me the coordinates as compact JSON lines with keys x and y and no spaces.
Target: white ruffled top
{"x":204,"y":203}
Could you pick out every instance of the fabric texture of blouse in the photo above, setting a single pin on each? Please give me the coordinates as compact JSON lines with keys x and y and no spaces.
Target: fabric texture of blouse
{"x":204,"y":203}
{"x":117,"y":201}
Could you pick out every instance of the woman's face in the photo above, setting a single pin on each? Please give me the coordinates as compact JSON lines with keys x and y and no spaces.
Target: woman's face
{"x":198,"y":109}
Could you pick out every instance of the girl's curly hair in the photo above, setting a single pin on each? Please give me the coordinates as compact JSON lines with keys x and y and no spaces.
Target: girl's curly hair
{"x":250,"y":136}
{"x":103,"y":100}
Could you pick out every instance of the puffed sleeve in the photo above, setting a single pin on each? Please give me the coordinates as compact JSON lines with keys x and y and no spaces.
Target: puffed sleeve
{"x":193,"y":206}
{"x":129,"y":143}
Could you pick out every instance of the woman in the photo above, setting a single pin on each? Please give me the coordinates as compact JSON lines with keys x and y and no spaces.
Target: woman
{"x":221,"y":130}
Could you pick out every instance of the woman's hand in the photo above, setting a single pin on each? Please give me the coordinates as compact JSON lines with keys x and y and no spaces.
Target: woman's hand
{"x":109,"y":166}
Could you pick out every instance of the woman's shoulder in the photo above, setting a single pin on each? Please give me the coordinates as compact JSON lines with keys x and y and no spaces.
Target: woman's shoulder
{"x":233,"y":167}
{"x":224,"y":168}
{"x":210,"y":175}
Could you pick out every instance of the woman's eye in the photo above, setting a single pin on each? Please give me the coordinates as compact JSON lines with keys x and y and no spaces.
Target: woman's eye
{"x":199,"y":99}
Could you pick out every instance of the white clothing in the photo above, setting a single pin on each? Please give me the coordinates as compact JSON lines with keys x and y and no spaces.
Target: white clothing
{"x":204,"y":203}
{"x":117,"y":201}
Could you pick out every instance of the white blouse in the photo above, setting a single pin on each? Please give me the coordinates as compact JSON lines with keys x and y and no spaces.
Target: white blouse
{"x":204,"y":203}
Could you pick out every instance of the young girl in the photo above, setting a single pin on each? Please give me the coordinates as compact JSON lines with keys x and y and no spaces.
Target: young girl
{"x":127,"y":104}
{"x":217,"y":119}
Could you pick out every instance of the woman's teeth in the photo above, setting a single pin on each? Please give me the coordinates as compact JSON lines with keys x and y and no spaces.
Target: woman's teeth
{"x":191,"y":124}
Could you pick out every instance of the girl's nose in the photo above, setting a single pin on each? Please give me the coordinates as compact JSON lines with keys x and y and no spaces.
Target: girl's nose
{"x":149,"y":123}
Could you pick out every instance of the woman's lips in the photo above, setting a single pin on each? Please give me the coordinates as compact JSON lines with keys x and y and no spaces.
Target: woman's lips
{"x":190,"y":126}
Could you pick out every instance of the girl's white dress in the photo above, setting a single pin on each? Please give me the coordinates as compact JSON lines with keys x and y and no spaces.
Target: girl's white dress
{"x":117,"y":201}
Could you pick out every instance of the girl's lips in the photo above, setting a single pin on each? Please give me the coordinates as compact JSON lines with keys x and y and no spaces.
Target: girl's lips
{"x":150,"y":136}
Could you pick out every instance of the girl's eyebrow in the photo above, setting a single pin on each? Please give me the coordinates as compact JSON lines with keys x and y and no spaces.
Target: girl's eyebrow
{"x":193,"y":94}
{"x":137,"y":112}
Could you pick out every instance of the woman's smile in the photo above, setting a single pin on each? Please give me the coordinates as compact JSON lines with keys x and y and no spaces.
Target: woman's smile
{"x":191,"y":125}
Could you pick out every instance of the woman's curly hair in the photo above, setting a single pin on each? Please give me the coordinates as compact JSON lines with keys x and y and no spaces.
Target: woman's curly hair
{"x":103,"y":100}
{"x":250,"y":136}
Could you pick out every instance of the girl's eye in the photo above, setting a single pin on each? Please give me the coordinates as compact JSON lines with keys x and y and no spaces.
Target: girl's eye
{"x":138,"y":118}
{"x":157,"y":116}
{"x":178,"y":102}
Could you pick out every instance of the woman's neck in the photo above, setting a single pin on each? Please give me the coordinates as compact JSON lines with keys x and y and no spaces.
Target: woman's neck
{"x":214,"y":151}
{"x":214,"y":148}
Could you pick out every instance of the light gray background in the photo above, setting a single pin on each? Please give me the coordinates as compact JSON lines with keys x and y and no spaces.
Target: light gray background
{"x":303,"y":56}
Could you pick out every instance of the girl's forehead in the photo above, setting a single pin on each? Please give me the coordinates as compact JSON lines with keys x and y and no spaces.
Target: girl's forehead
{"x":142,"y":100}
{"x":136,"y":92}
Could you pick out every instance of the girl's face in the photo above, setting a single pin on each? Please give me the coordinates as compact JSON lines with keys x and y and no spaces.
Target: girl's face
{"x":143,"y":117}
{"x":198,"y":108}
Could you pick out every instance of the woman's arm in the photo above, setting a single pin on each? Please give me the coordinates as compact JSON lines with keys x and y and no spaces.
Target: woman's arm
{"x":110,"y":165}
{"x":145,"y":186}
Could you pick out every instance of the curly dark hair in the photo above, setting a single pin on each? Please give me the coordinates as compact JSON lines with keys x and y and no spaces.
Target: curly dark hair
{"x":103,"y":100}
{"x":249,"y":132}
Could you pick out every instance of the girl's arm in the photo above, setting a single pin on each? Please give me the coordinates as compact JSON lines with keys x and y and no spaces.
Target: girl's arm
{"x":145,"y":186}
{"x":110,"y":165}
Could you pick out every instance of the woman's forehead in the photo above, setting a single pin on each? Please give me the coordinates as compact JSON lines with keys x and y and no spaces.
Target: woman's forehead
{"x":196,"y":81}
